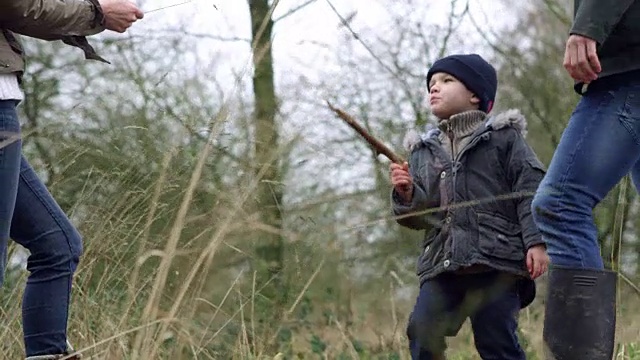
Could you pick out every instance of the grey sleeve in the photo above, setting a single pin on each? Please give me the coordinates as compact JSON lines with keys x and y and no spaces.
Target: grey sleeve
{"x":419,"y":201}
{"x":596,"y":19}
{"x":525,"y":172}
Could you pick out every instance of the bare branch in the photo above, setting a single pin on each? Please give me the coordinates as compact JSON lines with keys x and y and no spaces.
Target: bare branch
{"x":345,"y":22}
{"x":378,"y":145}
{"x":294,"y":10}
{"x":451,"y":26}
{"x":161,"y":34}
{"x":556,"y":9}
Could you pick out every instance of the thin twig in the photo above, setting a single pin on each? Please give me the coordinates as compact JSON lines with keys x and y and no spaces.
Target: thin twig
{"x":173,"y":5}
{"x":629,"y":282}
{"x":345,"y":23}
{"x":378,"y":145}
{"x":294,"y":10}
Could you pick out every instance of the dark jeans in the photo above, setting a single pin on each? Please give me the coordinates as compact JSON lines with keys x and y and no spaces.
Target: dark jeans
{"x":30,"y":216}
{"x":600,"y":145}
{"x":491,"y":302}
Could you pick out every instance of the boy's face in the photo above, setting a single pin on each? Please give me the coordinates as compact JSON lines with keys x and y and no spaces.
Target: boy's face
{"x":448,"y":96}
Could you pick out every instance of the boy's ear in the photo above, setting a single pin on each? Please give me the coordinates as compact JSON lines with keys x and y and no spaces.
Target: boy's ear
{"x":475,"y":100}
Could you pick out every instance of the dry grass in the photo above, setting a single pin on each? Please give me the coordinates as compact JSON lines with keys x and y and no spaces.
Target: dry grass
{"x":145,"y":291}
{"x":104,"y":327}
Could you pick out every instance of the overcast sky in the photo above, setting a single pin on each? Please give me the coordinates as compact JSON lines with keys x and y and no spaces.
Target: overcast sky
{"x":302,"y":42}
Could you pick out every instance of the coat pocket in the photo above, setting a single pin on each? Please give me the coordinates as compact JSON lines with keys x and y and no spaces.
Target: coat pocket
{"x":432,"y":249}
{"x":499,"y":238}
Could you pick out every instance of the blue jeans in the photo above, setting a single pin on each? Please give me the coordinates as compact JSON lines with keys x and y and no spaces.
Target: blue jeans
{"x":600,"y":145}
{"x":489,"y":299}
{"x":30,"y":216}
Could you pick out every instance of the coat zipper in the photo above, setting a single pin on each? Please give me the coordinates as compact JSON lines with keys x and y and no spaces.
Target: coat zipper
{"x":451,"y":139}
{"x":456,"y":159}
{"x":453,"y":193}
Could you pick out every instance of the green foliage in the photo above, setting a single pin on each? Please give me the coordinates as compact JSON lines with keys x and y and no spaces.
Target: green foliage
{"x":317,"y":345}
{"x":630,"y":351}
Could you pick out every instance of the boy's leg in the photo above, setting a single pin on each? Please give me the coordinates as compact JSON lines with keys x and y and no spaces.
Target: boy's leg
{"x":495,"y":325}
{"x":432,"y":318}
{"x":41,"y":226}
{"x":599,"y":146}
{"x":492,"y":303}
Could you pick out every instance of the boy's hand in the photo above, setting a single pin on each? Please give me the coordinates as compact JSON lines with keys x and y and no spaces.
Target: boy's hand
{"x":402,"y":181}
{"x":537,"y":260}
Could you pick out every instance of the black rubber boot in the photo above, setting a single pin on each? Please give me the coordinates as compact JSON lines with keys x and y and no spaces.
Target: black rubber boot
{"x":580,"y":314}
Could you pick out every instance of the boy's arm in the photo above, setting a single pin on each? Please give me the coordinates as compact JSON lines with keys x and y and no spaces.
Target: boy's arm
{"x":525,"y":172}
{"x":51,"y":19}
{"x":418,"y":202}
{"x":596,"y":19}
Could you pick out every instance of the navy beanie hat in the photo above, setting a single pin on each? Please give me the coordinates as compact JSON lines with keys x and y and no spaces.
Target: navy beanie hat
{"x":474,"y":72}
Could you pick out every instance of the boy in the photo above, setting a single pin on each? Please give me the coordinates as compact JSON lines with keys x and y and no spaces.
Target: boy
{"x":482,"y":253}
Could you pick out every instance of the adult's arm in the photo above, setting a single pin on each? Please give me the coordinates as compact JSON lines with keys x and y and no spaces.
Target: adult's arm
{"x":596,"y":19}
{"x":52,"y":19}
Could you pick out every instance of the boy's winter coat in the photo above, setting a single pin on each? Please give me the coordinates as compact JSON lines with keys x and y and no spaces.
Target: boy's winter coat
{"x":483,"y":198}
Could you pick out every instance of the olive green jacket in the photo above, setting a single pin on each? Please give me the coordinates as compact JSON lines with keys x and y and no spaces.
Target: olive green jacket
{"x":69,"y":21}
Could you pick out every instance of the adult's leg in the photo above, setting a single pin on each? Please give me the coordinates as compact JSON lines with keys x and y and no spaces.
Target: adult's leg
{"x":10,"y":148}
{"x":433,"y":318}
{"x":41,"y":226}
{"x":599,"y":146}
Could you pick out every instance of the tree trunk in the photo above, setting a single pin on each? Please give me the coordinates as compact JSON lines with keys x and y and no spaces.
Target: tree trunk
{"x":270,"y":247}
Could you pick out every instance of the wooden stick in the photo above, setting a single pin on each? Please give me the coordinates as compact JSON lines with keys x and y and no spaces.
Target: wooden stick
{"x":378,"y":145}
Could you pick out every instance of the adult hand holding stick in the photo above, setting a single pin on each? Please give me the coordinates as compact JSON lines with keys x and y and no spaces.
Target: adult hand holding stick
{"x":400,"y":177}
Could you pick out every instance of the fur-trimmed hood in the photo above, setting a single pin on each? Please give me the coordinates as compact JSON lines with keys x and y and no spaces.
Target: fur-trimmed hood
{"x":511,"y":117}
